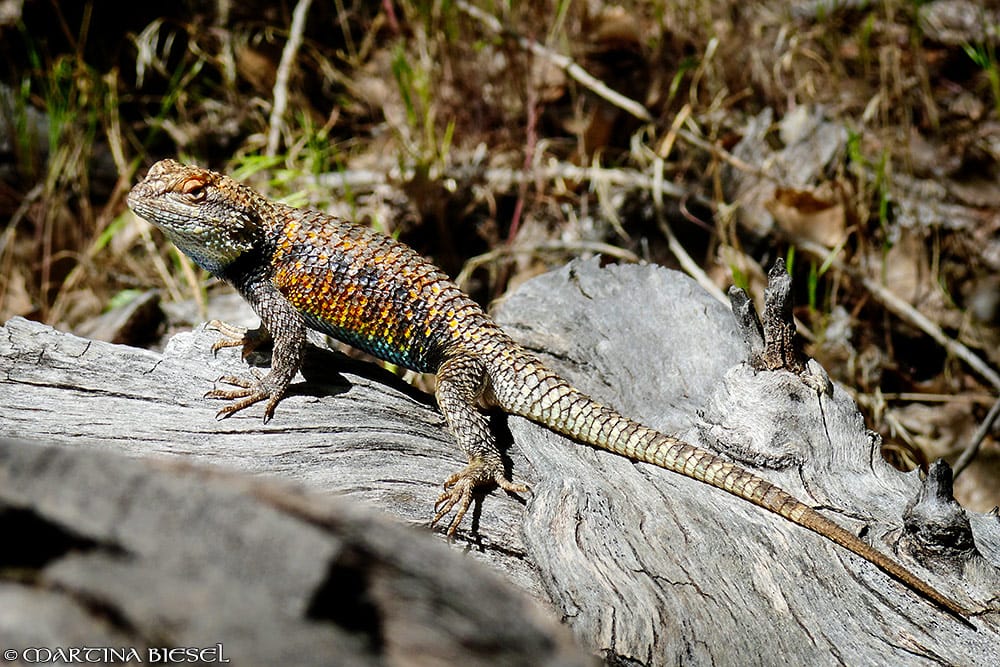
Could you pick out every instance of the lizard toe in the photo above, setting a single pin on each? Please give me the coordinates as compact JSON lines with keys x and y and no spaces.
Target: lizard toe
{"x":459,"y":487}
{"x":458,"y":495}
{"x":232,"y":336}
{"x":509,"y":486}
{"x":248,"y":392}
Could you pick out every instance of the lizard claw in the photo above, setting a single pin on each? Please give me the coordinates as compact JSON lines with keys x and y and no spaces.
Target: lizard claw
{"x":458,"y":490}
{"x":249,"y":391}
{"x":234,"y":336}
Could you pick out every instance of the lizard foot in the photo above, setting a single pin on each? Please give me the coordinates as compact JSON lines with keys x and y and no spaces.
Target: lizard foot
{"x":234,"y":336}
{"x":459,"y":487}
{"x":249,"y":391}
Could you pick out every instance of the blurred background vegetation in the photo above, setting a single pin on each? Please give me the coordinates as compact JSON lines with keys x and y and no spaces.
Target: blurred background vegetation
{"x":857,"y":140}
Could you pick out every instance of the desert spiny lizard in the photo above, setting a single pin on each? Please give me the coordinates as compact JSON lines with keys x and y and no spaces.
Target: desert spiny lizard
{"x":302,"y":268}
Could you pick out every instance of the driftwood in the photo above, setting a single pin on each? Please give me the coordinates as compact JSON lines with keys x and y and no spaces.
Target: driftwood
{"x":643,"y":565}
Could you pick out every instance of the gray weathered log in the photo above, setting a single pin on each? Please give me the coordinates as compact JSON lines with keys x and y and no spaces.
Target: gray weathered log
{"x":108,"y":551}
{"x":642,"y":564}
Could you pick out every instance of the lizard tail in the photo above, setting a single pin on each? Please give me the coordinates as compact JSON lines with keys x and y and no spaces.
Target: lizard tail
{"x":554,"y":403}
{"x":673,"y":454}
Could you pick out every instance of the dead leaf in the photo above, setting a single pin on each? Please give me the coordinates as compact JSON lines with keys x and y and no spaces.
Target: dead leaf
{"x":16,"y":298}
{"x":815,"y":214}
{"x":906,"y":269}
{"x":977,"y":487}
{"x":616,"y":27}
{"x":257,"y":68}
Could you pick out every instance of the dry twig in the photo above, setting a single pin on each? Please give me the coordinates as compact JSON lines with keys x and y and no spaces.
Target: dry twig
{"x":690,"y":266}
{"x":575,"y":247}
{"x":288,"y":54}
{"x":912,"y":316}
{"x":904,"y":311}
{"x":973,"y":447}
{"x":565,"y":63}
{"x":505,"y":178}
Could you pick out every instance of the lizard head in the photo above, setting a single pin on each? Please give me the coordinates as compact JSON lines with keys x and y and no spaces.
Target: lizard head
{"x":210,"y":217}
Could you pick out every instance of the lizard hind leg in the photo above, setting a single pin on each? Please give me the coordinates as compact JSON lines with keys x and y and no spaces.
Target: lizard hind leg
{"x":460,"y":383}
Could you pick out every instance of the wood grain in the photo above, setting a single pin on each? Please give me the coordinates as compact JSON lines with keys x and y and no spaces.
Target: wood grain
{"x":641,"y":564}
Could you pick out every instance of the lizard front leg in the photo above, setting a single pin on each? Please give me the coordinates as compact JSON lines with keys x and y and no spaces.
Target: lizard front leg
{"x":285,"y":326}
{"x":460,"y":382}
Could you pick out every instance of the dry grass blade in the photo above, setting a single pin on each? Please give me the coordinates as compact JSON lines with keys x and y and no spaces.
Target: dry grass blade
{"x":687,"y":262}
{"x":724,"y":155}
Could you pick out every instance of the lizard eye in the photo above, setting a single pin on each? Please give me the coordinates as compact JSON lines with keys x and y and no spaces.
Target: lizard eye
{"x":194,"y":188}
